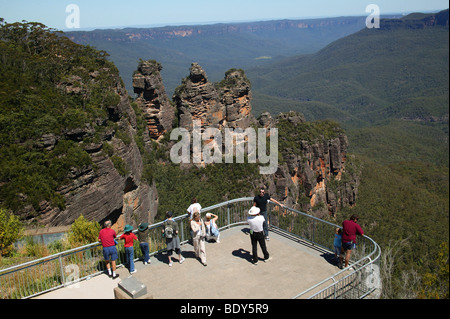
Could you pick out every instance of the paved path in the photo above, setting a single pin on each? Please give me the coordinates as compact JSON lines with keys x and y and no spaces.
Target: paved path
{"x":293,"y":268}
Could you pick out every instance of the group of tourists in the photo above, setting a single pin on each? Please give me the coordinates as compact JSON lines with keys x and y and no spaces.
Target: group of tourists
{"x":202,"y":230}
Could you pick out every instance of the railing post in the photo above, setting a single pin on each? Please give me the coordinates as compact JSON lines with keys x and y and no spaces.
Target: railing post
{"x":228,"y":216}
{"x":63,"y":277}
{"x":182,"y":230}
{"x":314,"y":233}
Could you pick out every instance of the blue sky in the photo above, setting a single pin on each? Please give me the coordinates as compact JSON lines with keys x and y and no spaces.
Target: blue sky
{"x":114,"y":13}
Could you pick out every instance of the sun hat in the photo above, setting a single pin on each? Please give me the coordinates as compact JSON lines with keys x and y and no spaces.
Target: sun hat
{"x":128,"y":228}
{"x":254,"y":211}
{"x":143,"y":226}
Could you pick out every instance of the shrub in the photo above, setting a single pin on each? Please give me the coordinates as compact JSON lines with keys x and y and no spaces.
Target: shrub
{"x":11,"y":230}
{"x":83,"y":232}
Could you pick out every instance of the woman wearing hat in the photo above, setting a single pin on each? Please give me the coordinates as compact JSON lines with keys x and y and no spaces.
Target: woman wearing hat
{"x":256,"y":221}
{"x":143,"y":242}
{"x":129,"y":238}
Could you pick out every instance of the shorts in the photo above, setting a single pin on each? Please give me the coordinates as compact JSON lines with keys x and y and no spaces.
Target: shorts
{"x":110,"y":253}
{"x":348,"y":246}
{"x":337,"y":250}
{"x":170,"y":251}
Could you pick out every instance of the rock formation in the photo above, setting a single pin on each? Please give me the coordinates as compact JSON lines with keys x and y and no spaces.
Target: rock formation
{"x":152,"y":98}
{"x":226,"y":104}
{"x":111,"y":187}
{"x":314,"y":176}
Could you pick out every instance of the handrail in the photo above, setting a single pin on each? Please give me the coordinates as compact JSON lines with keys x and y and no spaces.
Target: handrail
{"x":231,"y":213}
{"x":375,"y":253}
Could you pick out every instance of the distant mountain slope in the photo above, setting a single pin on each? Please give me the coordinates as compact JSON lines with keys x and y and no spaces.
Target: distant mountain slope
{"x":217,"y":47}
{"x":400,"y":70}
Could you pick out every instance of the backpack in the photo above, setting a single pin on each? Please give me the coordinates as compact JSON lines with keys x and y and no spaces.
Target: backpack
{"x":168,"y":231}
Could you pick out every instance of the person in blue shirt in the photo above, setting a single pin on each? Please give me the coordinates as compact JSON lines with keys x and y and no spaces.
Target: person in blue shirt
{"x":337,"y":244}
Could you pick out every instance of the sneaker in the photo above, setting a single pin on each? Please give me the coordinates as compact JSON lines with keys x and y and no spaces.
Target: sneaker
{"x":134,"y":271}
{"x":170,"y":264}
{"x":267,"y":238}
{"x":181,"y":260}
{"x":115,"y":276}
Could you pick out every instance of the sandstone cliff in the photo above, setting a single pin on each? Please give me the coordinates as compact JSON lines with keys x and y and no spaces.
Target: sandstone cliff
{"x":152,"y":99}
{"x":315,"y":175}
{"x":221,"y":105}
{"x":111,"y":187}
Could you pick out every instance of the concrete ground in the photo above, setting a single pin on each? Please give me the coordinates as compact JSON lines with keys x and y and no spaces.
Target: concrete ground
{"x":293,"y":267}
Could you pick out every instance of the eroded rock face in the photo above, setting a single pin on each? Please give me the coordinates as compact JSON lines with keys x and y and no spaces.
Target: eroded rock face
{"x":197,"y":100}
{"x":111,"y":187}
{"x":152,"y":99}
{"x":315,"y":176}
{"x":221,"y":105}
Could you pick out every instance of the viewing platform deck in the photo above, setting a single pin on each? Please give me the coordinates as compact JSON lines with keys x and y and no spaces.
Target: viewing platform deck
{"x":293,"y":267}
{"x":301,"y":265}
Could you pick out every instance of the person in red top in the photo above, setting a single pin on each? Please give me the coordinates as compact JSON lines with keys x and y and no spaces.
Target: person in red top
{"x":106,"y":237}
{"x":350,"y":229}
{"x":129,"y":238}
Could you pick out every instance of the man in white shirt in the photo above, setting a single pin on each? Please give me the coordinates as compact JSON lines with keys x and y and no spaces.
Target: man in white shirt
{"x":255,"y":221}
{"x":194,"y":206}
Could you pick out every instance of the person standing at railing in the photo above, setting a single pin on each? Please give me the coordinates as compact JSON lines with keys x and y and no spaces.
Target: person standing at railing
{"x":256,"y":222}
{"x":194,"y":206}
{"x":107,"y":238}
{"x":144,"y":242}
{"x":350,"y":229}
{"x":338,"y":245}
{"x":129,"y":238}
{"x":260,"y":201}
{"x":170,"y":232}
{"x":199,"y":229}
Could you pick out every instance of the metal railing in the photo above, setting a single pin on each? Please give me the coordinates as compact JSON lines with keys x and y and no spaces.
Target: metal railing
{"x":69,"y":267}
{"x":359,"y":280}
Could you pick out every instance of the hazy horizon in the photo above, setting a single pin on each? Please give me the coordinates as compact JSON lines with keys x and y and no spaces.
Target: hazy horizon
{"x":114,"y":14}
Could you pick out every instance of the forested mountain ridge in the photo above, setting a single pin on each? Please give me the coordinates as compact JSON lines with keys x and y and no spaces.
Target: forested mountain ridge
{"x":217,"y":47}
{"x":388,"y":87}
{"x":397,"y":71}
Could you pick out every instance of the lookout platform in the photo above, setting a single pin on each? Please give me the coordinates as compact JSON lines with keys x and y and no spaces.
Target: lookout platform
{"x":294,"y":266}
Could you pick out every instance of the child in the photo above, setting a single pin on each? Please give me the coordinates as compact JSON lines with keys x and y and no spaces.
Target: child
{"x":337,"y":243}
{"x":129,"y":238}
{"x":170,"y":232}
